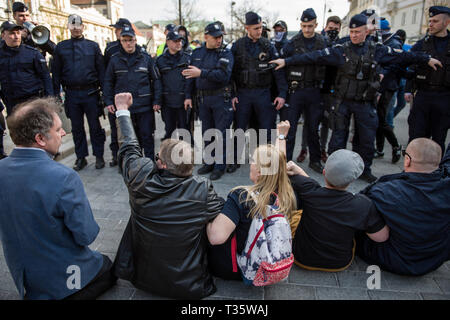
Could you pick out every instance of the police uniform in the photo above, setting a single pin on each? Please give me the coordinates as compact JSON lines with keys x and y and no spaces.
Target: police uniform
{"x":305,"y":82}
{"x":2,"y":127}
{"x":79,"y":68}
{"x":23,"y":72}
{"x":430,"y":114}
{"x":135,"y":73}
{"x":213,"y":92}
{"x":162,"y":47}
{"x":253,"y":77}
{"x":49,"y":46}
{"x":356,"y":86}
{"x":174,"y":87}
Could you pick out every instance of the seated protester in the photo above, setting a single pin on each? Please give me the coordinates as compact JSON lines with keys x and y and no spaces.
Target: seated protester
{"x":240,"y":208}
{"x":415,"y":205}
{"x":163,"y":249}
{"x":324,"y":239}
{"x":46,"y":222}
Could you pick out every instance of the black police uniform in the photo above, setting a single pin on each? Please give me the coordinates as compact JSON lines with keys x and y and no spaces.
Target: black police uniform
{"x":2,"y":127}
{"x":23,"y":75}
{"x":136,"y":73}
{"x":253,"y":78}
{"x":78,"y":66}
{"x":174,"y":87}
{"x":356,"y":86}
{"x":305,"y":82}
{"x":213,"y":92}
{"x":430,"y":114}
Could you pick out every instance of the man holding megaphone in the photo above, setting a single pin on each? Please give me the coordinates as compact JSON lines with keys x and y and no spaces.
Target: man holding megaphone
{"x":34,"y":35}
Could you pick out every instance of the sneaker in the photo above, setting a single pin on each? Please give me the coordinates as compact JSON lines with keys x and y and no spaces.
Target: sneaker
{"x":302,"y":156}
{"x":207,"y":168}
{"x":80,"y":164}
{"x":396,"y":154}
{"x":368,"y":177}
{"x":232,"y":167}
{"x":378,"y":154}
{"x":99,"y":163}
{"x":324,"y":156}
{"x":316,"y":166}
{"x":216,"y":174}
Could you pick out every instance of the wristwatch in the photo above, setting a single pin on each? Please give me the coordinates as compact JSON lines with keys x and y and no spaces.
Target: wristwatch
{"x":282,"y":137}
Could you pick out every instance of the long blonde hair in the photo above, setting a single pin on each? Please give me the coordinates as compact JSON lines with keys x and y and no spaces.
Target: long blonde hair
{"x":271,"y":164}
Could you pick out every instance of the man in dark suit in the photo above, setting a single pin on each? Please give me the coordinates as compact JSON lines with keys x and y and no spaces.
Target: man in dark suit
{"x":46,"y":222}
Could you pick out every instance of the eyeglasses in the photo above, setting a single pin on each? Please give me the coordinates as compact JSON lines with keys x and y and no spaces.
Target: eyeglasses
{"x":157,"y":157}
{"x":404,"y":153}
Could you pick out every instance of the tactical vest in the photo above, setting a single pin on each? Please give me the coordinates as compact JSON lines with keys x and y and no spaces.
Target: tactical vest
{"x":253,"y":72}
{"x":358,"y":78}
{"x":429,"y":79}
{"x":306,"y":75}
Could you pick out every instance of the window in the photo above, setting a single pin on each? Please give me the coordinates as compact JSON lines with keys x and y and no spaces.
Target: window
{"x":414,"y":16}
{"x":403,"y":18}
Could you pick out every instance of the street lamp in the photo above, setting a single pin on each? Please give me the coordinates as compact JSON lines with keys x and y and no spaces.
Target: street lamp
{"x":231,"y":20}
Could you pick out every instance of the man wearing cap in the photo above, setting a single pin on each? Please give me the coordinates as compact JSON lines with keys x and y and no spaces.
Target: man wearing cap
{"x":21,"y":15}
{"x":253,"y":77}
{"x":209,"y":80}
{"x":132,"y":70}
{"x":415,"y":206}
{"x":79,"y":68}
{"x":356,"y":86}
{"x":163,"y":46}
{"x":331,"y":215}
{"x":170,"y":64}
{"x":430,"y":113}
{"x":23,"y":70}
{"x":389,"y":85}
{"x":305,"y":82}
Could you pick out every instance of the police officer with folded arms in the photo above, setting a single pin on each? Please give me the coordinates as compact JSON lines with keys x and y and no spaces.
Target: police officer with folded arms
{"x":170,"y":65}
{"x":253,"y":78}
{"x":209,"y":80}
{"x":132,"y":70}
{"x":79,"y":68}
{"x":305,"y":82}
{"x":21,"y":15}
{"x":357,"y":83}
{"x":430,"y":112}
{"x":23,"y":70}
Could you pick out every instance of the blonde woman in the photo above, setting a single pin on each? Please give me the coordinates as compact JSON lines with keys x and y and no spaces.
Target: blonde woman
{"x":270,"y":181}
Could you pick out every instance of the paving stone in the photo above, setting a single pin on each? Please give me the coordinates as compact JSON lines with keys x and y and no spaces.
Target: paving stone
{"x":444,"y":284}
{"x":410,"y":284}
{"x":118,"y":293}
{"x":352,"y":279}
{"x":313,"y":278}
{"x":7,"y":282}
{"x":393,"y":295}
{"x":237,"y":290}
{"x":144,"y":295}
{"x":442,"y":272}
{"x":9,"y":295}
{"x":435,"y":296}
{"x":289,"y":292}
{"x":329,"y":293}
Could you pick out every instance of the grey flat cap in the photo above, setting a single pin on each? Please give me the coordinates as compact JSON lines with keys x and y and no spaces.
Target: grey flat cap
{"x":343,"y":167}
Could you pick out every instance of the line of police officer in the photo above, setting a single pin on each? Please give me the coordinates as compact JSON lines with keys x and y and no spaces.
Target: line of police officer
{"x":232,"y":85}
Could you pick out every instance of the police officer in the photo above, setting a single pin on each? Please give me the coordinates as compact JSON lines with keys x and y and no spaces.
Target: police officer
{"x":170,"y":64}
{"x":21,"y":15}
{"x":79,"y":67}
{"x":305,"y":82}
{"x":2,"y":130}
{"x":356,"y":85}
{"x":253,"y":77}
{"x":389,"y":86}
{"x":163,"y":46}
{"x":209,"y":78}
{"x":280,"y":38}
{"x":184,"y":33}
{"x":430,"y":114}
{"x":23,"y":70}
{"x":134,"y":71}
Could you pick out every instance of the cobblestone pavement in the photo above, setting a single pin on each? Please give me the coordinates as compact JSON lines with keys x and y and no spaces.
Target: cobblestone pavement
{"x":109,"y":201}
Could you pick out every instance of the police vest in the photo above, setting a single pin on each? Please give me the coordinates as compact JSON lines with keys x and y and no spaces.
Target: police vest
{"x":429,"y":79}
{"x":358,"y":78}
{"x":253,"y":72}
{"x":306,"y":75}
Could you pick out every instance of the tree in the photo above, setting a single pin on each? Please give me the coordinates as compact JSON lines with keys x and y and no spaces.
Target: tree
{"x":188,"y":15}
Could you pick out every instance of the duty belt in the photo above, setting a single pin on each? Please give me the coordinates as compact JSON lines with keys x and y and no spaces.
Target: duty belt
{"x":214,"y":92}
{"x":82,"y":87}
{"x":294,"y":85}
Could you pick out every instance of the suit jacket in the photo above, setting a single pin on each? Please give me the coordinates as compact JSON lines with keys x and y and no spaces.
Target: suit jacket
{"x":46,"y":225}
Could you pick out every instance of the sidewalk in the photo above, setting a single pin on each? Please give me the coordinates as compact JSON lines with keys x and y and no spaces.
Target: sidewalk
{"x":109,"y":201}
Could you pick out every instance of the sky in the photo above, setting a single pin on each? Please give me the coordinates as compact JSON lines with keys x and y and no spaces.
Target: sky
{"x":288,"y":10}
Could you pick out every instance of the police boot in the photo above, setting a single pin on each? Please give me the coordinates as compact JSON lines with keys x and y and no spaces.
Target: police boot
{"x":396,"y":153}
{"x":216,"y":174}
{"x":368,"y":177}
{"x":232,"y":167}
{"x":302,"y":156}
{"x":99,"y":163}
{"x":316,"y":166}
{"x":207,"y":168}
{"x":113,"y":162}
{"x":80,"y":164}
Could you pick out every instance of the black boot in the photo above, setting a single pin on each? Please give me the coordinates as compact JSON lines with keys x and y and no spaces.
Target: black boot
{"x":207,"y":168}
{"x":232,"y":167}
{"x":368,"y":177}
{"x":396,"y":154}
{"x":80,"y":164}
{"x":113,"y":162}
{"x":99,"y":163}
{"x":316,"y":166}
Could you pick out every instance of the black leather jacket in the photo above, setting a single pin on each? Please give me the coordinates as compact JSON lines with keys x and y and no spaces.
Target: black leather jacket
{"x":166,"y":234}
